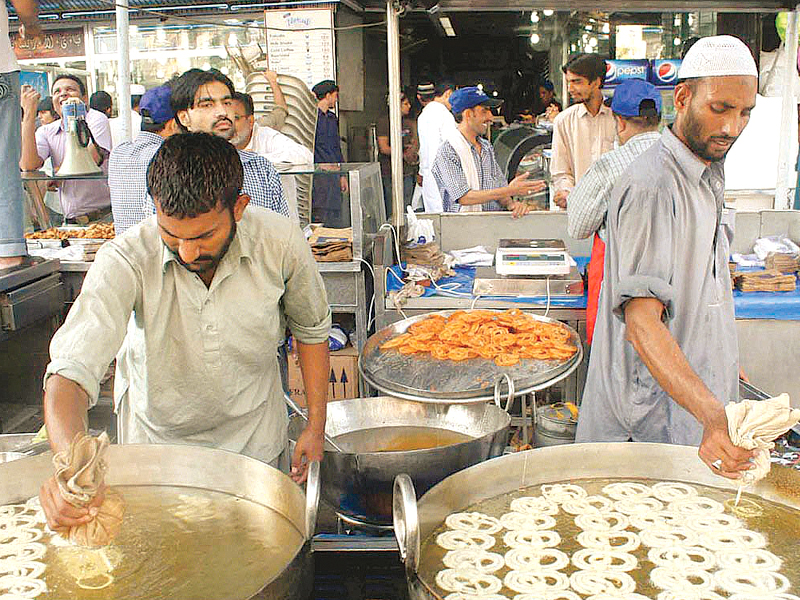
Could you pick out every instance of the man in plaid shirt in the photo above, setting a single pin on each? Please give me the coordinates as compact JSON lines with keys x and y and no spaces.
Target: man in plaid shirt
{"x":636,"y":107}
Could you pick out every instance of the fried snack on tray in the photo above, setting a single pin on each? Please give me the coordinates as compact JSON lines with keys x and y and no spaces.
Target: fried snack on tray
{"x":95,"y":231}
{"x":504,"y":337}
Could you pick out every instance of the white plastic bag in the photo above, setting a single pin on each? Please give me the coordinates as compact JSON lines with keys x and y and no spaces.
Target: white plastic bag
{"x":420,"y":231}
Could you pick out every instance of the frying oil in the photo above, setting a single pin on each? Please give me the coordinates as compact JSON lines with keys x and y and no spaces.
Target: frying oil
{"x":780,"y":525}
{"x":398,"y":439}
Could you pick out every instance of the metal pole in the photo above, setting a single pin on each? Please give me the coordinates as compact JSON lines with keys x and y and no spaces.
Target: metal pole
{"x":124,"y":68}
{"x":395,"y":118}
{"x":788,"y":114}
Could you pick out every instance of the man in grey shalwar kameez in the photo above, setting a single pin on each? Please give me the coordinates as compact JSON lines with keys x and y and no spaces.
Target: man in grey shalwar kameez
{"x":664,"y":359}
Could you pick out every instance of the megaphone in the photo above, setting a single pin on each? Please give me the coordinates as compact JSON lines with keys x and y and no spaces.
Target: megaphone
{"x":77,"y":158}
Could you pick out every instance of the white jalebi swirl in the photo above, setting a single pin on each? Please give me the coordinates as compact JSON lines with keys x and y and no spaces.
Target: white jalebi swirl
{"x":29,"y":551}
{"x":696,"y":506}
{"x":460,"y":596}
{"x":638,"y":506}
{"x":627,"y":490}
{"x":20,"y":536}
{"x":753,"y":559}
{"x":674,"y":536}
{"x":549,"y":595}
{"x":22,"y":568}
{"x":658,"y":520}
{"x":514,"y":521}
{"x":706,"y":595}
{"x":468,"y":581}
{"x":599,"y":582}
{"x":589,"y":504}
{"x":527,"y":582}
{"x":594,"y":559}
{"x":610,"y":521}
{"x":687,"y":579}
{"x":563,"y":492}
{"x":473,"y":521}
{"x":680,"y":557}
{"x":621,"y":541}
{"x":669,"y":491}
{"x":735,"y":539}
{"x":615,"y":596}
{"x":534,"y":505}
{"x":456,"y":540}
{"x":531,"y":538}
{"x":713,"y":522}
{"x":474,"y":558}
{"x":734,"y":581}
{"x":23,"y":587}
{"x":536,"y":559}
{"x":779,"y":596}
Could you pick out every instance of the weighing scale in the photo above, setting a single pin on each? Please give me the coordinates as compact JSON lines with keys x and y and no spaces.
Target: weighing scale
{"x":525,"y":267}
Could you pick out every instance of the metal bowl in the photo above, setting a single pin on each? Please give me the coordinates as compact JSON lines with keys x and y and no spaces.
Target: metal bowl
{"x":359,"y":485}
{"x":415,"y":521}
{"x":202,"y":469}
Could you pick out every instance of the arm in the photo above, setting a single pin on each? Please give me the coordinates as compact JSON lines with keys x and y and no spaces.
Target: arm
{"x":664,"y":359}
{"x":315,"y":366}
{"x":561,"y":164}
{"x":588,"y":202}
{"x":101,"y":143}
{"x":277,"y":117}
{"x":29,"y":159}
{"x":28,"y":13}
{"x":384,"y":146}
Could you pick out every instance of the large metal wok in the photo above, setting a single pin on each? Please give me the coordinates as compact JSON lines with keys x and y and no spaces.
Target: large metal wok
{"x":415,"y":520}
{"x":201,"y":469}
{"x":359,"y":484}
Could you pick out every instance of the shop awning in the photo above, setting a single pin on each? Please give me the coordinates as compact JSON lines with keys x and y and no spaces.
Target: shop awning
{"x":588,"y":5}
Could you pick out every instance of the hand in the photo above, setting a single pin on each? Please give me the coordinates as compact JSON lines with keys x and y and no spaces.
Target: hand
{"x":550,"y":112}
{"x":270,"y":75}
{"x":519,"y":209}
{"x":62,"y":515}
{"x":717,"y":445}
{"x":30,"y":30}
{"x":6,"y":262}
{"x":523,"y":185}
{"x":419,"y":179}
{"x":743,"y":375}
{"x":343,"y":183}
{"x":310,"y":446}
{"x":29,"y":100}
{"x":560,"y":199}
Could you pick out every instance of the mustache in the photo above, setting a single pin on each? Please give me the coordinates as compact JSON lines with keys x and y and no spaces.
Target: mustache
{"x":724,"y":138}
{"x":222,"y":120}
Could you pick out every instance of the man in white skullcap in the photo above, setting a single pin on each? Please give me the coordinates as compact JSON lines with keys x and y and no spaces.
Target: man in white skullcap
{"x":665,"y":356}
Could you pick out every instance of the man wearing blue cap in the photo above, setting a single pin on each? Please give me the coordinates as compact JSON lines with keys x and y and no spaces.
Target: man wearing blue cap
{"x":128,"y":162}
{"x":465,"y":167}
{"x":636,"y":107}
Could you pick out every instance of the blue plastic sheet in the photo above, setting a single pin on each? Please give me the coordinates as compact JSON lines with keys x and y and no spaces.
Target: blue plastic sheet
{"x":784,"y":306}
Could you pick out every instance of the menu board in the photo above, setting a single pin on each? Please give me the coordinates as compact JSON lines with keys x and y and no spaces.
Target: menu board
{"x":301,"y":43}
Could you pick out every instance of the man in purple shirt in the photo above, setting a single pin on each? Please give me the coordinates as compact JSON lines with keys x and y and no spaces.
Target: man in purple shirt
{"x":81,"y":201}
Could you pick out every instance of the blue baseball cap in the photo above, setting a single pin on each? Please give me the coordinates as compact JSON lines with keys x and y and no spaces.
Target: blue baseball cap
{"x":629,"y":94}
{"x":470,"y":97}
{"x":155,"y":106}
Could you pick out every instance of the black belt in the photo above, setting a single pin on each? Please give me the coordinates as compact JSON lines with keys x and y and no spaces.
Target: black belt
{"x":95,"y":215}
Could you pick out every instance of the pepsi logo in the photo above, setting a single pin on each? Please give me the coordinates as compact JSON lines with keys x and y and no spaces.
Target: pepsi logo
{"x":611,"y":71}
{"x":667,"y":72}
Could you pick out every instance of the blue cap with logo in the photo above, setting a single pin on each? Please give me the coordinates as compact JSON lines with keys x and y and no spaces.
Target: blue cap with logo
{"x":629,"y":95}
{"x":155,"y":107}
{"x":470,"y":97}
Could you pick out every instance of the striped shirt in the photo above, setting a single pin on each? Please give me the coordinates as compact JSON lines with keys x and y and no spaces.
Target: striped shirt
{"x":587,"y":204}
{"x":452,"y":181}
{"x":127,"y":180}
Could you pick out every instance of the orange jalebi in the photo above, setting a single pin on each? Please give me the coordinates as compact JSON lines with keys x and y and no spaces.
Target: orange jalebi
{"x":504,"y":337}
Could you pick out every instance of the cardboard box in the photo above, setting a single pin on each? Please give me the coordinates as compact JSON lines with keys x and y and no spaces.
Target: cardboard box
{"x":343,"y":378}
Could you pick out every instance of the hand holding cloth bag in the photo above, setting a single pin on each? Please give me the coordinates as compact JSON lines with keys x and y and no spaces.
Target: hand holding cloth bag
{"x":79,"y":474}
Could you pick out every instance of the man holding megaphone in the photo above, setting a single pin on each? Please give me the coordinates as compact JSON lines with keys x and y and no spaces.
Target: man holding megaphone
{"x":78,"y":144}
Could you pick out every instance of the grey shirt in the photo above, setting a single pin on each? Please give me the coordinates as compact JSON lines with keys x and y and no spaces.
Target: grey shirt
{"x":667,"y":239}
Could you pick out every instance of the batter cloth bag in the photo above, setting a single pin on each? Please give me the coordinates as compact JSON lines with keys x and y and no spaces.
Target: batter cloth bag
{"x":79,"y":474}
{"x":754,"y":425}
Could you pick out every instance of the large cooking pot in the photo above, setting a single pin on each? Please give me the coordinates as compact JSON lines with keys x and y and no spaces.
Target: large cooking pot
{"x":414,"y":521}
{"x":359,"y":484}
{"x":203,"y":469}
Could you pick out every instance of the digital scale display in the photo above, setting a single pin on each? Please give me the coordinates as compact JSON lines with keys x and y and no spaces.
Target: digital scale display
{"x":531,"y":257}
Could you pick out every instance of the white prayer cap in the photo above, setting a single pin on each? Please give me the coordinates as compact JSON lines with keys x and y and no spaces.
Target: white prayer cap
{"x":718,"y":56}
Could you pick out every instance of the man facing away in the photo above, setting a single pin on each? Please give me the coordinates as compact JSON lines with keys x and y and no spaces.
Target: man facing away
{"x":434,"y":124}
{"x":201,"y":292}
{"x":664,"y":360}
{"x":636,"y":107}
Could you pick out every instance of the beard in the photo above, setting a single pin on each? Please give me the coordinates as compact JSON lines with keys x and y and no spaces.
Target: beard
{"x":208,"y":262}
{"x":693,"y":130}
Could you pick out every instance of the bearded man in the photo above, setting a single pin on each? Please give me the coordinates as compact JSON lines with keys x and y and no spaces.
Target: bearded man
{"x":665,"y":356}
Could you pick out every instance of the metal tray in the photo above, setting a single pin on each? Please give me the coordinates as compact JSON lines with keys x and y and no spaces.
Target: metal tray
{"x":426,"y":379}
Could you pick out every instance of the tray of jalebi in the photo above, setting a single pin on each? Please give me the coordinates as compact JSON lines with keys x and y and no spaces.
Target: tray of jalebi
{"x":458,"y":356}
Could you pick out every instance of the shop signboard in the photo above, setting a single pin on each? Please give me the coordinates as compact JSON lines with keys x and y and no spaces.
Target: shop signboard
{"x":53,"y":43}
{"x":301,"y":43}
{"x":618,"y":71}
{"x":664,"y":73}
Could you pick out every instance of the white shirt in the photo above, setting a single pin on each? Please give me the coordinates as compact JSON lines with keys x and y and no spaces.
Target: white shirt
{"x":434,"y":125}
{"x":281,"y":150}
{"x":198,"y":365}
{"x":8,"y":60}
{"x":116,"y":128}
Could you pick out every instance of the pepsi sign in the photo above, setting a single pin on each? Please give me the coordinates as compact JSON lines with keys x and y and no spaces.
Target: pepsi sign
{"x":665,"y":72}
{"x":618,"y":71}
